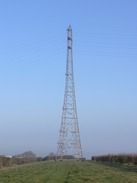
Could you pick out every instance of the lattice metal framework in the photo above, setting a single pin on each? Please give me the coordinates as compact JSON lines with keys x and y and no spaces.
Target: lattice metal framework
{"x":69,"y":138}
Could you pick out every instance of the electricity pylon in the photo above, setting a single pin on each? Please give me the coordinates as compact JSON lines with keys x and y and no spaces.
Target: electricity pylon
{"x":69,"y":138}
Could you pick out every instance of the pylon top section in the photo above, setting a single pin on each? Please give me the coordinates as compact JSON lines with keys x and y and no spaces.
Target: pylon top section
{"x":69,"y":28}
{"x":69,"y":37}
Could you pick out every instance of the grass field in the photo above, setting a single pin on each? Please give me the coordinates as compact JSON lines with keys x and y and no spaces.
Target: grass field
{"x":69,"y":172}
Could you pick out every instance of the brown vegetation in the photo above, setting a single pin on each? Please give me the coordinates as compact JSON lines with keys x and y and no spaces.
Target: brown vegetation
{"x":119,"y":158}
{"x":8,"y":162}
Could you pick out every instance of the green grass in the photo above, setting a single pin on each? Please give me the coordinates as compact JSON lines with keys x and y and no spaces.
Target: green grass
{"x":69,"y":172}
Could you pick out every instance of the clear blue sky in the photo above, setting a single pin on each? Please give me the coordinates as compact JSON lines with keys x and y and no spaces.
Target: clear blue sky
{"x":32,"y":74}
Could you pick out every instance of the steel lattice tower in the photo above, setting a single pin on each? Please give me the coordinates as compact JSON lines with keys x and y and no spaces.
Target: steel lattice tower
{"x":69,"y":138}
